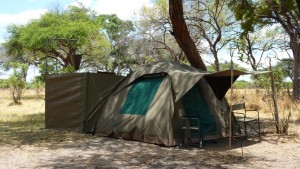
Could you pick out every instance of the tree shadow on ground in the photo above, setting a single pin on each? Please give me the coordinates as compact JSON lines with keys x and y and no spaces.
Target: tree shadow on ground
{"x":30,"y":130}
{"x":87,"y":151}
{"x":114,"y":153}
{"x":268,"y":129}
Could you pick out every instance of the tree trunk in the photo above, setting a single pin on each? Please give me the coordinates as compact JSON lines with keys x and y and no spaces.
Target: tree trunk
{"x":295,"y":45}
{"x":217,"y":63}
{"x":296,"y":82}
{"x":182,"y":36}
{"x":274,"y":98}
{"x":16,"y":94}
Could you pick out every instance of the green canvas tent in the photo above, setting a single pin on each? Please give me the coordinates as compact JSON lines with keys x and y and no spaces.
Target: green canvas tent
{"x":147,"y":105}
{"x":73,"y":100}
{"x":144,"y":106}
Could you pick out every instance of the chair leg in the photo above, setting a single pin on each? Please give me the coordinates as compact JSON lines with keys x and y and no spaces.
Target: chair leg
{"x":200,"y":140}
{"x":253,"y":127}
{"x":258,"y":129}
{"x":182,"y":138}
{"x":245,"y":125}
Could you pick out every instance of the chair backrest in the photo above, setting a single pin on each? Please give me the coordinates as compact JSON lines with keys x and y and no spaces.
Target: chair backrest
{"x":238,"y":106}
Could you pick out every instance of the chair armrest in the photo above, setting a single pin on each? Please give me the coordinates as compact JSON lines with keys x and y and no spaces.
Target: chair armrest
{"x":253,"y":110}
{"x":196,"y":119}
{"x":244,"y":115}
{"x":189,"y":118}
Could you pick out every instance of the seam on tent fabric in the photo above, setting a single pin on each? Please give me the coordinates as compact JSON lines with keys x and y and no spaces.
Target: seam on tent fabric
{"x":86,"y":100}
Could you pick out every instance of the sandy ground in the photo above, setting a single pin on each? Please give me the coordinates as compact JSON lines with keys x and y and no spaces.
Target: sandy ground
{"x":24,"y":143}
{"x":271,"y":151}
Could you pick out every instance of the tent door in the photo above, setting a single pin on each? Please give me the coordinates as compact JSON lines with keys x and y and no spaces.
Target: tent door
{"x":195,"y":106}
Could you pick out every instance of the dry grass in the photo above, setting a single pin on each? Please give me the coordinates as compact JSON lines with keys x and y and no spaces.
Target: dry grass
{"x":262,"y":101}
{"x":25,"y":124}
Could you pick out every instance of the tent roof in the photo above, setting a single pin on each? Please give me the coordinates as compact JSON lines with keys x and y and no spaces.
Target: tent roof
{"x":184,"y":77}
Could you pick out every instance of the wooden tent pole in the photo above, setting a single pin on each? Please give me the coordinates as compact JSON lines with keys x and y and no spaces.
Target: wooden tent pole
{"x":231,"y":95}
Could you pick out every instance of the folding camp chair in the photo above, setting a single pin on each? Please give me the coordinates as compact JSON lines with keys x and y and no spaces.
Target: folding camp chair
{"x":193,"y":125}
{"x":243,"y":122}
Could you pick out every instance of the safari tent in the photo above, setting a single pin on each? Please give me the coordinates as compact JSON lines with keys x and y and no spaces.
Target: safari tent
{"x":144,"y":106}
{"x":147,"y":105}
{"x":72,"y":100}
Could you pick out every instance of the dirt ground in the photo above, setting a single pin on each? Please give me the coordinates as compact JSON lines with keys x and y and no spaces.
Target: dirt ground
{"x":25,"y":143}
{"x":86,"y":151}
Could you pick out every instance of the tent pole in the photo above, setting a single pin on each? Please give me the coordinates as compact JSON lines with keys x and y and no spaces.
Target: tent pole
{"x":231,"y":95}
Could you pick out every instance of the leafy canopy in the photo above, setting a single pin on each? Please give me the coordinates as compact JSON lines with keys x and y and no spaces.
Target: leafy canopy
{"x":75,"y":30}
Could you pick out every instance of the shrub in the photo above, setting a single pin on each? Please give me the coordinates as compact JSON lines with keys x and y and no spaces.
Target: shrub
{"x":4,"y":84}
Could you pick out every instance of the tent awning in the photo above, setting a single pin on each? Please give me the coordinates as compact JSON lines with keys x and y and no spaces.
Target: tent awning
{"x":220,"y":82}
{"x":235,"y":73}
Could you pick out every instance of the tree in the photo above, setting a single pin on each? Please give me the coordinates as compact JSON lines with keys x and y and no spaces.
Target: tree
{"x":38,"y":85}
{"x":17,"y":81}
{"x":154,"y":27}
{"x":13,"y":52}
{"x":286,"y":13}
{"x":182,"y":36}
{"x":212,"y":20}
{"x":254,"y":47}
{"x":225,"y":66}
{"x":118,"y":32}
{"x":60,"y":34}
{"x":287,"y":67}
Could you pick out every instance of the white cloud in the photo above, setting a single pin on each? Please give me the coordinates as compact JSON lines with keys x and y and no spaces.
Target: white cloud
{"x":124,"y":9}
{"x":18,"y":19}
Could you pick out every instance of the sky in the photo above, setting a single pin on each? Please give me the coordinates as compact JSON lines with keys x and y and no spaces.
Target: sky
{"x":20,"y":12}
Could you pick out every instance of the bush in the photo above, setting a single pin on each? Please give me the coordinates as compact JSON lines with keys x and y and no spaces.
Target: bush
{"x":242,"y":84}
{"x":4,"y":83}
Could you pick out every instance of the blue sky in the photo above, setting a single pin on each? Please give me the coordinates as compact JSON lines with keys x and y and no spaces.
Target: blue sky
{"x":17,"y":6}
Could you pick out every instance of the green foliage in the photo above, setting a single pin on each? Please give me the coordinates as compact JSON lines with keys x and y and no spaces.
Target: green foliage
{"x":264,"y":80}
{"x":287,"y":68}
{"x":103,"y":40}
{"x":17,"y":81}
{"x":75,"y":23}
{"x":244,"y":12}
{"x":115,"y":28}
{"x":52,"y":68}
{"x":68,"y":69}
{"x":37,"y":83}
{"x":242,"y":84}
{"x":252,"y":13}
{"x":225,"y":66}
{"x":19,"y":69}
{"x":118,"y":32}
{"x":75,"y":30}
{"x":4,"y":83}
